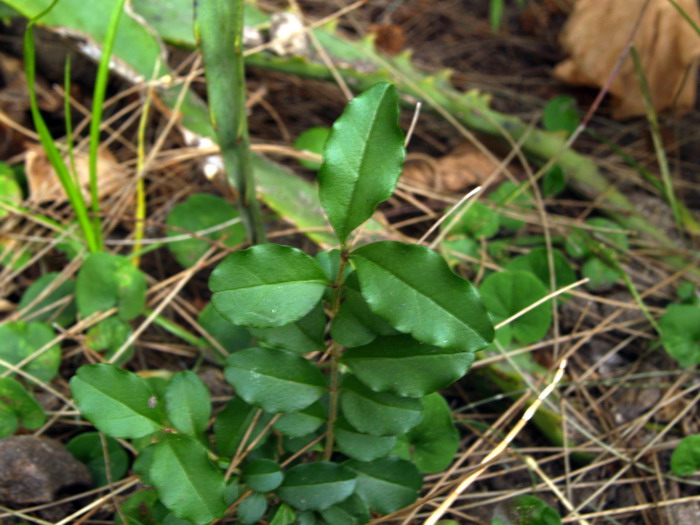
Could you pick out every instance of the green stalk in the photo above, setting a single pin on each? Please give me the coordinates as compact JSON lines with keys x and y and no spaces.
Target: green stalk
{"x":75,"y":197}
{"x":219,"y":34}
{"x":68,"y":118}
{"x":96,"y":118}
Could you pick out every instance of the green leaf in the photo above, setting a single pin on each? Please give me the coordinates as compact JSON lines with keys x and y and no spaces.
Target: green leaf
{"x":262,"y":475}
{"x":301,"y":337}
{"x":352,"y":511}
{"x":21,"y":340}
{"x":188,"y":403}
{"x":685,"y":460}
{"x":312,"y":140}
{"x":601,"y":276}
{"x":507,"y":293}
{"x":106,"y":281}
{"x":9,"y":422}
{"x":533,"y":511}
{"x":378,"y":414}
{"x":19,"y":405}
{"x":202,"y":212}
{"x":117,"y":402}
{"x":188,"y":483}
{"x":435,"y":440}
{"x":479,"y":221}
{"x":232,"y":424}
{"x":10,"y":193}
{"x":387,"y":484}
{"x":316,"y":486}
{"x":553,"y":182}
{"x":405,"y":367}
{"x":251,"y":509}
{"x":680,"y":333}
{"x":232,"y":337}
{"x":357,"y":445}
{"x":266,"y":286}
{"x":560,"y":114}
{"x":275,"y":380}
{"x":611,"y":231}
{"x":302,"y":423}
{"x":110,"y":334}
{"x":63,"y":315}
{"x":413,"y":289}
{"x":362,"y":159}
{"x":87,"y":448}
{"x":510,"y":197}
{"x":535,"y":261}
{"x":284,"y":515}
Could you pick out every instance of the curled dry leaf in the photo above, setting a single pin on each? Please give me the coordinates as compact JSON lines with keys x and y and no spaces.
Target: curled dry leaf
{"x":596,"y":34}
{"x":463,"y":167}
{"x":44,"y":185}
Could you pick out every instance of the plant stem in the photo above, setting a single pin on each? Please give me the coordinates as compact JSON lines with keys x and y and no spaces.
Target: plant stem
{"x":219,"y":33}
{"x":336,"y":352}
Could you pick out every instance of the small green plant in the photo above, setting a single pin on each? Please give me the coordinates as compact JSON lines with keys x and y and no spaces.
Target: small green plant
{"x":359,"y":398}
{"x":685,"y":460}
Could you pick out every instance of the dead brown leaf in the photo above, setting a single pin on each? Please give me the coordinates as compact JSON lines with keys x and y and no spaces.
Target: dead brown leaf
{"x":389,"y":38}
{"x":596,"y":34}
{"x":44,"y":185}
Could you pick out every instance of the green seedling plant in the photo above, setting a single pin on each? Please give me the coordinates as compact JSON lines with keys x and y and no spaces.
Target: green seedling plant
{"x":335,"y":361}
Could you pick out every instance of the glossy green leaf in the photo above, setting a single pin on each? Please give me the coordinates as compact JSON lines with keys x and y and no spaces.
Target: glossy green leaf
{"x":106,"y":281}
{"x":312,"y":140}
{"x":252,"y":509}
{"x":87,"y":448}
{"x":413,"y":289}
{"x":302,"y":423}
{"x":560,"y":114}
{"x":387,"y":484}
{"x":110,"y":334}
{"x":435,"y":440}
{"x":63,"y":314}
{"x":352,"y":511}
{"x":362,"y":159}
{"x":202,"y":211}
{"x":535,"y":261}
{"x":275,"y":380}
{"x":21,"y":340}
{"x":188,"y":483}
{"x":18,"y":405}
{"x":301,"y":337}
{"x":262,"y":475}
{"x":680,"y":333}
{"x":378,"y":414}
{"x":117,"y":402}
{"x":232,"y":424}
{"x":406,"y":367}
{"x":479,"y":221}
{"x":357,"y":445}
{"x":507,"y":293}
{"x":685,"y":460}
{"x":266,"y":286}
{"x":232,"y":337}
{"x":316,"y":486}
{"x":188,"y":403}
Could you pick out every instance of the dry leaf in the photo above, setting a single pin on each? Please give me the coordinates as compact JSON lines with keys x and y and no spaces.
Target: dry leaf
{"x":389,"y":38}
{"x":44,"y":185}
{"x":464,"y":166}
{"x":596,"y":34}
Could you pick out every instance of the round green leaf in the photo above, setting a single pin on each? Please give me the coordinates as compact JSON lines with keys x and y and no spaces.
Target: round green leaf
{"x":507,"y":293}
{"x":201,"y":212}
{"x":316,"y":486}
{"x":352,"y":511}
{"x":357,"y":445}
{"x":275,"y":380}
{"x":601,"y":276}
{"x":435,"y":440}
{"x":251,"y":509}
{"x":680,"y":333}
{"x":510,"y":197}
{"x":262,"y":475}
{"x":685,"y":460}
{"x":560,"y":114}
{"x":110,"y":334}
{"x":19,"y":405}
{"x":188,"y":403}
{"x":536,"y":262}
{"x":362,"y":159}
{"x":230,"y":336}
{"x":87,"y":448}
{"x":312,"y":140}
{"x":266,"y":286}
{"x":479,"y":221}
{"x":413,"y":288}
{"x":387,"y":484}
{"x":378,"y":414}
{"x":301,"y":337}
{"x":117,"y":402}
{"x":302,"y":423}
{"x":533,"y":511}
{"x":21,"y":340}
{"x":406,"y":367}
{"x":63,"y":314}
{"x":106,"y":281}
{"x":188,"y":483}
